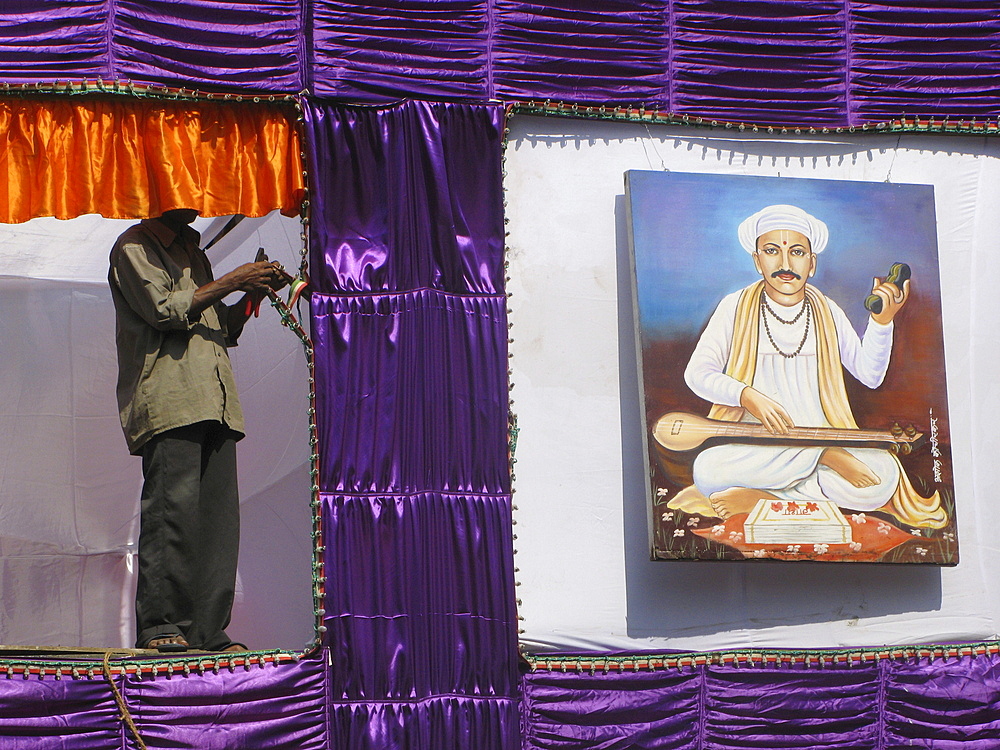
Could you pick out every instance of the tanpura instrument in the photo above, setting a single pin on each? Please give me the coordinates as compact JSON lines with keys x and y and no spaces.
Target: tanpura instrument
{"x":678,"y":431}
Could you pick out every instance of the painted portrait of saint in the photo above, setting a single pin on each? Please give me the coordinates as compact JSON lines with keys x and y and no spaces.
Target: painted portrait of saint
{"x":774,"y":430}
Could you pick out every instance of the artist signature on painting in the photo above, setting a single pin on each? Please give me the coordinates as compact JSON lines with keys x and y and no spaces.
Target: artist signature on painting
{"x":935,"y":451}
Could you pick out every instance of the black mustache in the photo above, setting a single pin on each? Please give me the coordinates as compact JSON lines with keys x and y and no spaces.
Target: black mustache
{"x":782,"y":270}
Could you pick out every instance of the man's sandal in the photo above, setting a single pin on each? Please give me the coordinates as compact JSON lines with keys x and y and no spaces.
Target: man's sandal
{"x":168,"y":643}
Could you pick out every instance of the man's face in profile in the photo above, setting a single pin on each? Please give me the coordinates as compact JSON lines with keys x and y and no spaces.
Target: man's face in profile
{"x":785,"y":259}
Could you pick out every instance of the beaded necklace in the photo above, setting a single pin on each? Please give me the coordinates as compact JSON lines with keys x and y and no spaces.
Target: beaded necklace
{"x":806,"y":309}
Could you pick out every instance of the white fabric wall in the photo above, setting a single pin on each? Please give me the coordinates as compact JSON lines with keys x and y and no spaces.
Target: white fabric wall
{"x":69,"y":489}
{"x":586,"y":578}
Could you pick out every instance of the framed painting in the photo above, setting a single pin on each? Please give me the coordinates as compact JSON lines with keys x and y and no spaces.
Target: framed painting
{"x":792,"y":367}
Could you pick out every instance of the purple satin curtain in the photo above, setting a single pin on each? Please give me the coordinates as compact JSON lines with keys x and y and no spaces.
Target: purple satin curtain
{"x":821,"y":63}
{"x":890,"y":704}
{"x":410,"y":326}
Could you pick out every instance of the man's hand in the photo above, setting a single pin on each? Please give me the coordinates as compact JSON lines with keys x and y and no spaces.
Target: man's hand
{"x":770,"y":413}
{"x":893,"y":299}
{"x":253,"y":278}
{"x":257,"y":277}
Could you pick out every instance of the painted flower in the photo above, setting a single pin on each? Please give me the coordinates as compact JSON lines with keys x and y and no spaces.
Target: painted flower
{"x":859,"y":518}
{"x":915,"y":532}
{"x":668,"y":516}
{"x":719,"y":529}
{"x":821,"y":549}
{"x":794,"y":547}
{"x":662,"y":492}
{"x":884,"y":528}
{"x":759,"y":553}
{"x":855,"y":546}
{"x":679,"y":532}
{"x":736,"y":536}
{"x":949,"y":536}
{"x":922,"y":551}
{"x":694,"y":521}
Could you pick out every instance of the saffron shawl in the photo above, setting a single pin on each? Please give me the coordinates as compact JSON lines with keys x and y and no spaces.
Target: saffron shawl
{"x":906,"y":503}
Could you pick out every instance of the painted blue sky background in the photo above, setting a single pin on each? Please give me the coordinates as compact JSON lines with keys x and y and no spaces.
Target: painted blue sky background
{"x":687,"y":254}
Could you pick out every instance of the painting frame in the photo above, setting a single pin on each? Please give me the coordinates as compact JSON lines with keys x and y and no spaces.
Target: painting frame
{"x":686,"y":256}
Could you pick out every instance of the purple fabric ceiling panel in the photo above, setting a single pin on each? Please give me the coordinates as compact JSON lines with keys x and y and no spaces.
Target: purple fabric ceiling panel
{"x":924,"y":59}
{"x":821,"y":62}
{"x":45,"y":40}
{"x":210,"y":43}
{"x":429,"y":49}
{"x":760,"y":61}
{"x":602,"y":51}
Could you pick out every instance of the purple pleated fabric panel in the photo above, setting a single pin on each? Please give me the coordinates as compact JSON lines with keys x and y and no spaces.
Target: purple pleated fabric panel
{"x":410,"y":328}
{"x":57,"y":715}
{"x":944,"y":704}
{"x":925,"y":58}
{"x":818,"y":63}
{"x":760,"y":61}
{"x":210,"y":43}
{"x":430,"y":611}
{"x":280,"y":706}
{"x":409,"y":197}
{"x":782,"y":707}
{"x":448,"y":723}
{"x":42,"y":40}
{"x":611,"y":51}
{"x":883,"y":705}
{"x":416,"y":384}
{"x":430,"y":49}
{"x":650,"y":710}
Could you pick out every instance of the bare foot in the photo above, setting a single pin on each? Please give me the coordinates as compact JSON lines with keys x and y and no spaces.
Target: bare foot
{"x":850,"y":468}
{"x":737,"y":500}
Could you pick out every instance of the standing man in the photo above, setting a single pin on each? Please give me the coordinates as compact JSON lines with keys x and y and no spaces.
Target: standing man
{"x":775,"y":353}
{"x":180,"y":413}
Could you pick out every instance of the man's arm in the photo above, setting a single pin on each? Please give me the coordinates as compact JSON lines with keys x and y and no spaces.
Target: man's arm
{"x":138,"y":274}
{"x":253,"y":278}
{"x":867,"y":358}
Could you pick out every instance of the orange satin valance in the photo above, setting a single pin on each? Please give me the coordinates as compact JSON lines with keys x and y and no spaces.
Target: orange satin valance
{"x":128,"y":159}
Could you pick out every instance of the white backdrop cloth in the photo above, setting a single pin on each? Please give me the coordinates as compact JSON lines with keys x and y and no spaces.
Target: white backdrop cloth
{"x":583,"y":562}
{"x":69,"y":490}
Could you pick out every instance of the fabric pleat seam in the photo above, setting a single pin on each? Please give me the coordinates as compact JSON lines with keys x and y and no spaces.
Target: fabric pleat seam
{"x":455,"y":494}
{"x":490,"y":31}
{"x":702,"y":710}
{"x":671,"y":34}
{"x":848,"y":64}
{"x":497,"y":699}
{"x":880,"y":707}
{"x":405,"y":292}
{"x":305,"y":45}
{"x":109,"y":38}
{"x":325,"y":654}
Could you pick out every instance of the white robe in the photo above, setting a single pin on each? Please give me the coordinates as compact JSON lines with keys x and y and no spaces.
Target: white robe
{"x":789,"y":473}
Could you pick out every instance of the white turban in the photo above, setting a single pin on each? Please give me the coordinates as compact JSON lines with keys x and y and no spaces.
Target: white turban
{"x":783,"y":217}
